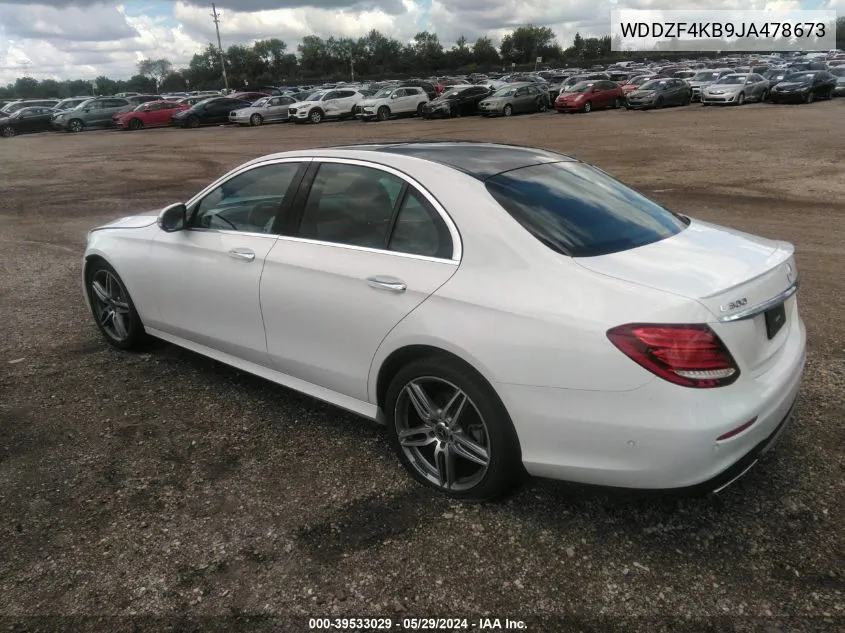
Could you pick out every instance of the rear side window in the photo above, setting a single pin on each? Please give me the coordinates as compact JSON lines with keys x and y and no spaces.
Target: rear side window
{"x":579,"y":210}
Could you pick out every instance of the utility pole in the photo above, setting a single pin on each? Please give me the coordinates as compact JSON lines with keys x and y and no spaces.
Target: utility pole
{"x":216,"y":17}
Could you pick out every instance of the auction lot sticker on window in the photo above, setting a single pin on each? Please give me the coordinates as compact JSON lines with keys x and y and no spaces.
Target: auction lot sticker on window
{"x":634,"y":30}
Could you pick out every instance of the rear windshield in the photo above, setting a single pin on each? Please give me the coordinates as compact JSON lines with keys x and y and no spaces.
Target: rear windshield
{"x":578,"y":210}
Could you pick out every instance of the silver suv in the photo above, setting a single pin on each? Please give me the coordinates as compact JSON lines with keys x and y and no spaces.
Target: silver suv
{"x":89,"y":114}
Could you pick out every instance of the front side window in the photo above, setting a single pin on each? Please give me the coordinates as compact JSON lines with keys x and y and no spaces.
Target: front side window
{"x":247,"y":202}
{"x":579,"y":210}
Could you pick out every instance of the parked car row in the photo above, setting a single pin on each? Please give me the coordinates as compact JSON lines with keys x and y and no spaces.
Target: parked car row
{"x":583,"y":92}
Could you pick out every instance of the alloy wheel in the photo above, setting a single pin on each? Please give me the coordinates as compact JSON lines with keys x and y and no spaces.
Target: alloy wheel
{"x":508,"y":110}
{"x":442,"y":433}
{"x":7,"y":132}
{"x":588,"y":107}
{"x":256,"y":120}
{"x":75,"y":125}
{"x":111,"y":304}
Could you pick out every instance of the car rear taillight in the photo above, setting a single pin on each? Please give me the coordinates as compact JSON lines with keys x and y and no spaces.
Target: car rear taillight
{"x":687,"y":355}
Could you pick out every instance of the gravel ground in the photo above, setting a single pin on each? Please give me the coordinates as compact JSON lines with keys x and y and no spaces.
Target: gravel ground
{"x":164,"y":491}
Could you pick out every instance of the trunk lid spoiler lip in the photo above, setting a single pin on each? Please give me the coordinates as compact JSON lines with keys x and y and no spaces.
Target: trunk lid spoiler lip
{"x":750,"y":313}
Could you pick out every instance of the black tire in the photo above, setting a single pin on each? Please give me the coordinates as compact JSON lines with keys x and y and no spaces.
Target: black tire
{"x":764,"y":97}
{"x":508,"y":110}
{"x":193,"y":122}
{"x":659,"y":103}
{"x":136,"y":124}
{"x":420,"y":109}
{"x":75,"y":125}
{"x":810,"y":96}
{"x":256,"y":119}
{"x":7,"y":132}
{"x":135,"y":334}
{"x":383,"y":113}
{"x":740,"y":100}
{"x":588,"y":107}
{"x":617,"y":103}
{"x":829,"y":94}
{"x":504,"y":468}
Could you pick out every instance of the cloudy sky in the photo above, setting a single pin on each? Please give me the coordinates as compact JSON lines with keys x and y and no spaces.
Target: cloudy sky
{"x":87,"y":38}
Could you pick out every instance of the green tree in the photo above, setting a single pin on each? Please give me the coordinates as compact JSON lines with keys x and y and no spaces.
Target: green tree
{"x":155,"y":69}
{"x":26,"y":87}
{"x":382,"y":53}
{"x":204,"y":69}
{"x":173,"y":82}
{"x":527,"y":43}
{"x":484,"y":53}
{"x":140,"y":83}
{"x":105,"y":86}
{"x":427,"y":51}
{"x":313,"y":56}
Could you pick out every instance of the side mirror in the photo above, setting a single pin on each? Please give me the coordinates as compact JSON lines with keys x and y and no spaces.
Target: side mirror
{"x":394,"y":96}
{"x":173,"y":218}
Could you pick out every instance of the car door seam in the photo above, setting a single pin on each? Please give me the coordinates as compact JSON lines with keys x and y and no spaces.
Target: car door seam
{"x":395,"y":325}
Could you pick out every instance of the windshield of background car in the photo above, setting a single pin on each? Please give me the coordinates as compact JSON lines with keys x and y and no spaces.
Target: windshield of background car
{"x":839,"y":71}
{"x":708,"y":76}
{"x":732,"y":80}
{"x":384,"y":93}
{"x":656,"y":84}
{"x":803,"y":78}
{"x":579,"y":210}
{"x":639,"y":81}
{"x":503,"y":92}
{"x":582,"y":87}
{"x":451,"y":94}
{"x":260,"y":102}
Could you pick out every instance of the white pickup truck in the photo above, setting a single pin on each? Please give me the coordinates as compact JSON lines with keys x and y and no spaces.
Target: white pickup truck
{"x":387,"y":102}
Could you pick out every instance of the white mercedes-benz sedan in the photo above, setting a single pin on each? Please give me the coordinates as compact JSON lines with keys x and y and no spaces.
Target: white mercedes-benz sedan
{"x":501,"y":309}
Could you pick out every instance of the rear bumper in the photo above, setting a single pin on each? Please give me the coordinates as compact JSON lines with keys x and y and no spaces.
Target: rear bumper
{"x":657,"y":437}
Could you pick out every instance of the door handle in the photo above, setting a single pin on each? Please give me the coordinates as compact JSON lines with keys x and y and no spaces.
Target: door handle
{"x":244,"y":254}
{"x":391,"y":284}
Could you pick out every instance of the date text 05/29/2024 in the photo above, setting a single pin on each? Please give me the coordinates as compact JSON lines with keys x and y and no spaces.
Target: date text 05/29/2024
{"x":417,"y":624}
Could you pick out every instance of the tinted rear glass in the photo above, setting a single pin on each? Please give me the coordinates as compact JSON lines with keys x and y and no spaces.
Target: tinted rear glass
{"x":579,"y":210}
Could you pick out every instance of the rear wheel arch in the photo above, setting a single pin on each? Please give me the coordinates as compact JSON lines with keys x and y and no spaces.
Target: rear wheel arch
{"x":403,"y":356}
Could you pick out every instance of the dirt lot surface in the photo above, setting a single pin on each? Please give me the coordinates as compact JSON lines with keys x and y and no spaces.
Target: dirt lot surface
{"x":164,"y":484}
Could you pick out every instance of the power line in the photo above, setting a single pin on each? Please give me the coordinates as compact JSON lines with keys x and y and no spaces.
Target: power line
{"x":216,"y":17}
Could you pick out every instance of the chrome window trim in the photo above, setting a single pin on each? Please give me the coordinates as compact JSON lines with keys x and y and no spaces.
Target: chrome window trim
{"x":367,"y":249}
{"x":761,"y":307}
{"x":271,"y":236}
{"x":243,"y":169}
{"x":457,"y":245}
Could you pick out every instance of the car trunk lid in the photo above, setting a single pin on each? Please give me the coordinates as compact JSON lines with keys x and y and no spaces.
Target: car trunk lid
{"x":733,"y":274}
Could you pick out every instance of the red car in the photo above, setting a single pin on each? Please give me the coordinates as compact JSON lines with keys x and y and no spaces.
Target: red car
{"x":150,"y":114}
{"x":635,"y":82}
{"x":587,"y":96}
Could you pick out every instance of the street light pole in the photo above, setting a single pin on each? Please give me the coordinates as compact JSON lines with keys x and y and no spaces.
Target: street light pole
{"x":216,"y":17}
